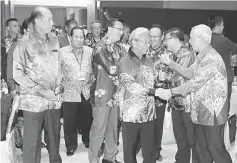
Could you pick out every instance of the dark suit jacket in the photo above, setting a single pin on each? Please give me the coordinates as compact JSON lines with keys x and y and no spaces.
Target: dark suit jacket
{"x":63,"y":41}
{"x":12,"y":85}
{"x":224,"y":46}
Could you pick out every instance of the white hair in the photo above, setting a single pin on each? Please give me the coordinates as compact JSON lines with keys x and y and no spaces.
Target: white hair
{"x":138,"y":33}
{"x":202,"y":31}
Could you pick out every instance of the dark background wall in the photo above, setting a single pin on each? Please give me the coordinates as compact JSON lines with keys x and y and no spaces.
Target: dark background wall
{"x":181,"y":18}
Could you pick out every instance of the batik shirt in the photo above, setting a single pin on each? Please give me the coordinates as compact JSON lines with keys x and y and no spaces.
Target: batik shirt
{"x":135,"y":77}
{"x":105,"y":57}
{"x":90,"y":40}
{"x":155,"y":54}
{"x":185,"y":58}
{"x":35,"y":69}
{"x":207,"y":86}
{"x":76,"y":72}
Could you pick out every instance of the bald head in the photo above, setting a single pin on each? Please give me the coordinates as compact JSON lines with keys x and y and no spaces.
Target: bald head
{"x":42,"y":19}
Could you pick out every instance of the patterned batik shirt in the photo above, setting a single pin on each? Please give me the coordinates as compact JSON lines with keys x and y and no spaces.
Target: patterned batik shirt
{"x":90,"y":40}
{"x":135,"y":77}
{"x":185,"y":58}
{"x":105,"y":57}
{"x":155,"y":54}
{"x":207,"y":86}
{"x":76,"y":73}
{"x":35,"y":69}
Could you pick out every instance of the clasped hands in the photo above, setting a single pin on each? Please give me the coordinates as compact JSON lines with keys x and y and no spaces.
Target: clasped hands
{"x":54,"y":97}
{"x":164,"y":94}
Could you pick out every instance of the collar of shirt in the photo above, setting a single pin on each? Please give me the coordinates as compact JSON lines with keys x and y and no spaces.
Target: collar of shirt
{"x":133,"y":55}
{"x":36,"y":35}
{"x":202,"y":53}
{"x":76,"y":50}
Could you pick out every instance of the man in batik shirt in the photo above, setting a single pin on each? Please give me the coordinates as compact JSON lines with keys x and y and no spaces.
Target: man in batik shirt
{"x":125,"y":37}
{"x":182,"y":124}
{"x":35,"y":69}
{"x":76,"y":70}
{"x":155,"y":51}
{"x":13,"y":30}
{"x":105,"y":115}
{"x":95,"y":35}
{"x":208,"y":89}
{"x":137,"y":110}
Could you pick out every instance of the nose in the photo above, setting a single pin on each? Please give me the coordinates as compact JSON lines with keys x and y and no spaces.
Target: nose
{"x":51,"y":22}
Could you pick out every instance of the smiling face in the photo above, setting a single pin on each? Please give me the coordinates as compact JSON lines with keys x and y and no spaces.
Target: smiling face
{"x":155,"y":37}
{"x":116,"y":31}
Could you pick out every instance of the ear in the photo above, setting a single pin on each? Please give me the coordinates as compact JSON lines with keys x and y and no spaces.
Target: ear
{"x":8,"y":28}
{"x":109,"y":29}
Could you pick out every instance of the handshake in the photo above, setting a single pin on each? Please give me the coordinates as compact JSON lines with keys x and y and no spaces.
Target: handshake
{"x":164,"y":94}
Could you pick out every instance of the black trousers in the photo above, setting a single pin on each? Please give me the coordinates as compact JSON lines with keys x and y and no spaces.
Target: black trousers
{"x":184,"y":135}
{"x":160,"y":114}
{"x":33,"y":125}
{"x":73,"y":114}
{"x":132,"y":132}
{"x":232,"y":119}
{"x":210,"y":144}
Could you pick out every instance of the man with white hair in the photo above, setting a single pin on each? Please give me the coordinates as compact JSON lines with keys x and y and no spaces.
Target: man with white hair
{"x":137,"y":110}
{"x":208,"y":89}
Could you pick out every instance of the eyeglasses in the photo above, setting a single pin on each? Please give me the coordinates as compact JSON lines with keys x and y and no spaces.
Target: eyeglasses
{"x":96,"y":28}
{"x":155,"y":37}
{"x":145,"y":42}
{"x":120,"y":29}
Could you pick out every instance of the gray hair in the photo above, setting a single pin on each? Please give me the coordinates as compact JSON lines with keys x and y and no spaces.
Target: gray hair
{"x":202,"y":31}
{"x":137,"y":33}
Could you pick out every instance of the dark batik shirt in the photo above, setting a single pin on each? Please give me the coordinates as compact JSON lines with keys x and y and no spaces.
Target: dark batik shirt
{"x":104,"y":64}
{"x":135,"y":77}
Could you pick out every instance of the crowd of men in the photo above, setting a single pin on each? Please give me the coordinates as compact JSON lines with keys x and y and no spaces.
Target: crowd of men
{"x":98,"y":83}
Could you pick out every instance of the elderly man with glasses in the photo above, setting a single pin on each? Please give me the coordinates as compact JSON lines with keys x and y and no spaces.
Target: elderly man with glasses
{"x":208,"y":89}
{"x":137,"y":109}
{"x":95,"y":35}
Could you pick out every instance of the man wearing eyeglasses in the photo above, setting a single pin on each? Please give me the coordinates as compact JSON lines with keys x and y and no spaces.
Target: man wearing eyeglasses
{"x":95,"y":35}
{"x":106,"y":54}
{"x":137,"y":109}
{"x":156,"y":49}
{"x":182,"y":125}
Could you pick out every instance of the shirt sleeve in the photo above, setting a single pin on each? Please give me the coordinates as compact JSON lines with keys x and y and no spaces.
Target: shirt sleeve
{"x":103,"y":60}
{"x":185,"y":62}
{"x":208,"y":70}
{"x":183,"y":71}
{"x":128,"y":82}
{"x":231,"y":45}
{"x":10,"y":81}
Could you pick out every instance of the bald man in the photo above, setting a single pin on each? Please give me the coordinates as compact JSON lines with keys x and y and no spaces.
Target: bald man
{"x":35,"y":69}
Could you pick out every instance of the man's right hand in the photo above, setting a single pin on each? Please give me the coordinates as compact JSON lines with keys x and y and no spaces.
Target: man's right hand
{"x":164,"y":58}
{"x":48,"y":94}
